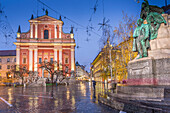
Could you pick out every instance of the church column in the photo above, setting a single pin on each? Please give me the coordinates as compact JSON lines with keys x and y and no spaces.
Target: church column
{"x":43,"y":73}
{"x":30,"y":59}
{"x":41,"y":33}
{"x":17,"y":58}
{"x":72,"y":60}
{"x":60,"y":59}
{"x":36,"y":30}
{"x":55,"y":59}
{"x":49,"y":33}
{"x":60,"y":31}
{"x":35,"y":59}
{"x":31,"y":30}
{"x":55,"y":31}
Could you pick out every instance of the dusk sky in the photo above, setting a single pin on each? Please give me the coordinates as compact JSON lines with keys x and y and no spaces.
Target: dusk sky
{"x":18,"y":12}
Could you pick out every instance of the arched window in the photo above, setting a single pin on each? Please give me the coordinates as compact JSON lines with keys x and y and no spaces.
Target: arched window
{"x":45,"y":34}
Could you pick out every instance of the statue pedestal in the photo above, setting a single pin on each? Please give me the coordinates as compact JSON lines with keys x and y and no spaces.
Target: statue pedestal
{"x":148,"y":78}
{"x":140,"y":72}
{"x":155,"y":93}
{"x":149,"y":71}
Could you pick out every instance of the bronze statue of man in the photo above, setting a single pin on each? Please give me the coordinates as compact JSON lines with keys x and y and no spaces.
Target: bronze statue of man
{"x":141,"y":39}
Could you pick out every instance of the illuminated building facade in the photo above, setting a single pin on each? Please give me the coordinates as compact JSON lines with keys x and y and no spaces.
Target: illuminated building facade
{"x":7,"y":60}
{"x":45,"y":41}
{"x":120,"y":56}
{"x":80,"y":71}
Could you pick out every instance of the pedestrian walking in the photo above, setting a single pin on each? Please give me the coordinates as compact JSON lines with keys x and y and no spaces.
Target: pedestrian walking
{"x":94,"y":84}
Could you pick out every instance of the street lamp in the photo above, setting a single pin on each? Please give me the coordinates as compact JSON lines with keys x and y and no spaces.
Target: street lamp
{"x":10,"y":76}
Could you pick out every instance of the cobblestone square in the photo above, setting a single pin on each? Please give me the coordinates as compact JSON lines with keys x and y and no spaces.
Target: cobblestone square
{"x":77,"y":98}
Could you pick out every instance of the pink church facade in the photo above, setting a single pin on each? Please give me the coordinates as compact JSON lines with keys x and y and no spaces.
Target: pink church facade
{"x":45,"y":41}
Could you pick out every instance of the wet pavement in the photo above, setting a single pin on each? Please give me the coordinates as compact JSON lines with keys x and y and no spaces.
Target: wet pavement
{"x":77,"y":98}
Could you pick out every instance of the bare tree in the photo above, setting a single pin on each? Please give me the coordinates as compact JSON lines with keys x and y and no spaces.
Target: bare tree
{"x":19,"y":71}
{"x":117,"y":50}
{"x":52,"y":69}
{"x":117,"y":47}
{"x":124,"y":37}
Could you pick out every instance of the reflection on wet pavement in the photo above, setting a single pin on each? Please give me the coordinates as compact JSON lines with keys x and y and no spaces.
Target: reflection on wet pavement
{"x":75,"y":98}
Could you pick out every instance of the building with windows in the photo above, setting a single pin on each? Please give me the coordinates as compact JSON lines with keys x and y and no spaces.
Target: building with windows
{"x":113,"y":60}
{"x":7,"y":59}
{"x":101,"y":63}
{"x":81,"y":72}
{"x":45,"y":41}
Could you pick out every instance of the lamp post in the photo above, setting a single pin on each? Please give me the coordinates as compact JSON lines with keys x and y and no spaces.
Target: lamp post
{"x":110,"y":61}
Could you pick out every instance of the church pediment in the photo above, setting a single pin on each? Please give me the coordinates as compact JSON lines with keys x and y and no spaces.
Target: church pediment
{"x":44,"y":18}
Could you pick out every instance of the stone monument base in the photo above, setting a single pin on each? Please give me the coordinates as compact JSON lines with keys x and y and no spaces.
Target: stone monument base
{"x":144,"y":92}
{"x":149,"y":71}
{"x":148,"y":78}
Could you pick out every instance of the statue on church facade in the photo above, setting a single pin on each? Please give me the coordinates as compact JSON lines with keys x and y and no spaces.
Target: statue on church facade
{"x":147,"y":29}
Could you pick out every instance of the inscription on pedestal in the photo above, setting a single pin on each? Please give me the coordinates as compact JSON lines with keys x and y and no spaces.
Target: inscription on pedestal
{"x":149,"y":71}
{"x":141,"y":72}
{"x":140,"y":68}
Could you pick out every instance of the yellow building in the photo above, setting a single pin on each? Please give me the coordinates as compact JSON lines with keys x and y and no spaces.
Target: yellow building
{"x":7,"y":59}
{"x":113,"y":60}
{"x":96,"y":67}
{"x":100,"y":67}
{"x":124,"y":55}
